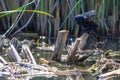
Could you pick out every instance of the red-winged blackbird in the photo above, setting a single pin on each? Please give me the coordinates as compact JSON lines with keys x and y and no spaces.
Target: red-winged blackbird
{"x":84,"y":20}
{"x":86,"y":23}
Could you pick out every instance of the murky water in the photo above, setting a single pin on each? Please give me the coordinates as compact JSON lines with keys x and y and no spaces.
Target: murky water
{"x":81,"y":67}
{"x":47,"y":55}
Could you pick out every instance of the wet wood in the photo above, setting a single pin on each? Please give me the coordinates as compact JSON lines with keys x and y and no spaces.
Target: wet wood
{"x":3,"y":60}
{"x":1,"y":42}
{"x":13,"y":54}
{"x":49,"y":48}
{"x":60,"y":43}
{"x":102,"y":76}
{"x":78,"y":44}
{"x":66,"y":72}
{"x":83,"y":39}
{"x":28,"y":54}
{"x":15,"y":42}
{"x":73,"y":50}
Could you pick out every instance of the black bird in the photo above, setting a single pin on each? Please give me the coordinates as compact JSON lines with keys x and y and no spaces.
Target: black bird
{"x":86,"y":23}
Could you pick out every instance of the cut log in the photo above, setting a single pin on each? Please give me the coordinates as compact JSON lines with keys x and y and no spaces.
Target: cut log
{"x":13,"y":54}
{"x":60,"y":43}
{"x":79,"y":44}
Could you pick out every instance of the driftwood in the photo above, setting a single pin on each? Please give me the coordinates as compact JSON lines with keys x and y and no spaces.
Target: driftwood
{"x":104,"y":64}
{"x":60,"y":43}
{"x":13,"y":54}
{"x":50,"y":74}
{"x":15,"y":42}
{"x":103,"y":76}
{"x":26,"y":53}
{"x":68,"y":72}
{"x":83,"y":39}
{"x":1,"y":42}
{"x":73,"y":50}
{"x":79,"y":44}
{"x":3,"y":60}
{"x":22,"y":69}
{"x":48,"y":48}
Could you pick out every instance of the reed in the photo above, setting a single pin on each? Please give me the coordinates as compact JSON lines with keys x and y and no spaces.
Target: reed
{"x":63,"y":11}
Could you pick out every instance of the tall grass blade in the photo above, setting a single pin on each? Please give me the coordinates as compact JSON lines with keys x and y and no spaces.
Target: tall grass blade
{"x":4,"y":13}
{"x":70,"y":13}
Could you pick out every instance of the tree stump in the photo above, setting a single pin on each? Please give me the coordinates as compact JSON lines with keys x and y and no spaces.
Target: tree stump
{"x":60,"y":43}
{"x":78,"y":44}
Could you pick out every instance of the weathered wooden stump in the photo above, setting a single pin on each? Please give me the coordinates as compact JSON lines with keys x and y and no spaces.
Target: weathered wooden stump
{"x":78,"y":44}
{"x":73,"y":50}
{"x":60,"y":43}
{"x":83,"y":39}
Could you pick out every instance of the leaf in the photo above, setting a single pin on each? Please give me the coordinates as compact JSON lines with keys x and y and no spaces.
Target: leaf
{"x":4,"y":13}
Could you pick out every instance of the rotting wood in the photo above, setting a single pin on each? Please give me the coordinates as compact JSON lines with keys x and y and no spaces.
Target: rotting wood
{"x":103,"y":64}
{"x":22,"y":69}
{"x":13,"y":54}
{"x":28,"y":54}
{"x":73,"y":50}
{"x":15,"y":42}
{"x":102,"y":76}
{"x":68,"y":72}
{"x":83,"y":39}
{"x":3,"y":60}
{"x":42,"y":73}
{"x":1,"y":42}
{"x":79,"y":44}
{"x":60,"y":43}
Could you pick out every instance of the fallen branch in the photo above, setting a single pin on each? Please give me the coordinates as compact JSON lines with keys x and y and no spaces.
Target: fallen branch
{"x":102,"y":76}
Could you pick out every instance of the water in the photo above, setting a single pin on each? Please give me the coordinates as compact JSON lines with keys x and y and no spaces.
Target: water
{"x":82,"y":67}
{"x":47,"y":55}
